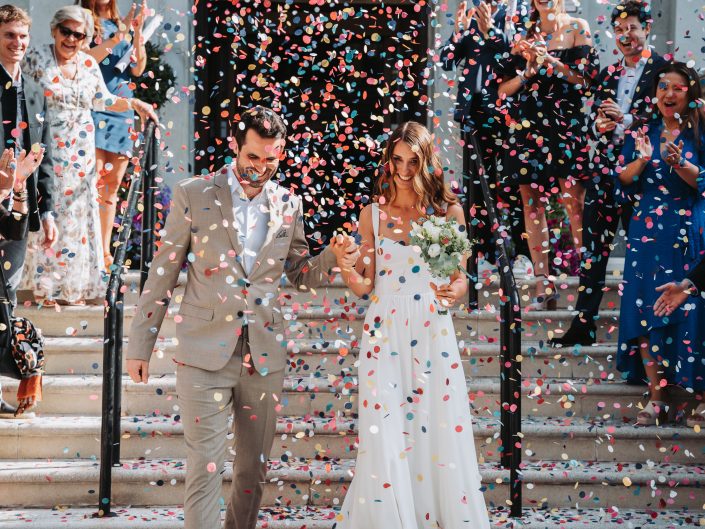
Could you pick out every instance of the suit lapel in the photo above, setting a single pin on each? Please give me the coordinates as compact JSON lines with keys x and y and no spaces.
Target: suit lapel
{"x":276,"y":219}
{"x":34,"y":110}
{"x":223,"y":193}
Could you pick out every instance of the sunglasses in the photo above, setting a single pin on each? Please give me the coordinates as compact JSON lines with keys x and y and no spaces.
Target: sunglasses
{"x":663,"y":85}
{"x":67,"y":32}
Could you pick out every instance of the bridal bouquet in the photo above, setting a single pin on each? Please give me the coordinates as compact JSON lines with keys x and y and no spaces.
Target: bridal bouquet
{"x":442,"y":243}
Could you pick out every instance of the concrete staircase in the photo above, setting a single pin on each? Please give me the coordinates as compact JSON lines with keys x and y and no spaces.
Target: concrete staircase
{"x":584,"y":463}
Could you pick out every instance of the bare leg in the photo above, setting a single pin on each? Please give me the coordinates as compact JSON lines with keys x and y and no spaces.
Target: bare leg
{"x":111,"y":169}
{"x":654,"y":372}
{"x":573,"y":194}
{"x":537,"y":232}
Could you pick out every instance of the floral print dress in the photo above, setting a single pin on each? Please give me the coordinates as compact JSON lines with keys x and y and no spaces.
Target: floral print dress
{"x":72,"y":269}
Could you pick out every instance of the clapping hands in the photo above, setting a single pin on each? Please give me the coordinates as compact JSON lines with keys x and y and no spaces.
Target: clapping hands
{"x":643,"y":145}
{"x":14,"y":172}
{"x":674,"y":154}
{"x":346,"y":251}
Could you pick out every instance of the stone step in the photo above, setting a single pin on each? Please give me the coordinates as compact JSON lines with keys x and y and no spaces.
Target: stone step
{"x":331,"y":323}
{"x":543,"y":438}
{"x":487,"y":288}
{"x":328,"y":396}
{"x":171,"y":517}
{"x":84,"y":355}
{"x":548,"y":484}
{"x":317,"y":322}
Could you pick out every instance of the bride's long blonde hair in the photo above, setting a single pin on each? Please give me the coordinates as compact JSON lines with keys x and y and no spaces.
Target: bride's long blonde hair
{"x":429,"y":185}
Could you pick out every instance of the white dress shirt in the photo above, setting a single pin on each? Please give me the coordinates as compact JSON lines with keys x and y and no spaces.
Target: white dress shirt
{"x":626,"y":89}
{"x":251,"y":220}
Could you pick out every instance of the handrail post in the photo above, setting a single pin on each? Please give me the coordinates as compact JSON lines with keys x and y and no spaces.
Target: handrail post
{"x":148,"y":211}
{"x":469,"y":147}
{"x":107,"y":433}
{"x":510,"y":339}
{"x":112,"y":354}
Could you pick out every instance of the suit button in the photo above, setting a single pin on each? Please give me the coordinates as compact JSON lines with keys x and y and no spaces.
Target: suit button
{"x":240,"y":314}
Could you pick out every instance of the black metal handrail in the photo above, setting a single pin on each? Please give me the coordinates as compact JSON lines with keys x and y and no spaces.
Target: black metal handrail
{"x":510,"y":323}
{"x":113,"y":322}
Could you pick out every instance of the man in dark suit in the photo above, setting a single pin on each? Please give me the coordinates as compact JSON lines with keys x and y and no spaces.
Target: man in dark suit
{"x":22,"y":107}
{"x":482,"y":33}
{"x":622,"y":98}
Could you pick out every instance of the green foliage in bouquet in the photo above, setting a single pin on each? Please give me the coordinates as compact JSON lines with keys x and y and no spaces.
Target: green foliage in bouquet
{"x":442,"y":243}
{"x":158,"y":77}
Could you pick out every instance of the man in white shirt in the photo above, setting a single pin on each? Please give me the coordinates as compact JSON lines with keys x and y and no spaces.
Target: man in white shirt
{"x":622,"y":99}
{"x":239,"y":232}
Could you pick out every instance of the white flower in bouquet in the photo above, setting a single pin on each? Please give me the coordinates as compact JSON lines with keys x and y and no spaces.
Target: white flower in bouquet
{"x":434,"y":250}
{"x":442,"y":244}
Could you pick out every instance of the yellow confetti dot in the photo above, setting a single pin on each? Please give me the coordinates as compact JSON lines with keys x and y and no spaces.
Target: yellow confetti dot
{"x":217,"y":396}
{"x":627,"y":482}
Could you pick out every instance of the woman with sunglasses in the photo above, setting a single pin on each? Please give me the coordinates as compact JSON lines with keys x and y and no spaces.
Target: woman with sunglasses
{"x":113,"y":38}
{"x":661,"y":164}
{"x":70,"y":271}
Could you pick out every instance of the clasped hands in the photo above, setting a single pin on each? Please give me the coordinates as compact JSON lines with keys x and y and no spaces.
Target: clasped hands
{"x":346,"y":251}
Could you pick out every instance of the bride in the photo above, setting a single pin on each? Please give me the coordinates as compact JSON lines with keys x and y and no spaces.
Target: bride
{"x":416,"y":465}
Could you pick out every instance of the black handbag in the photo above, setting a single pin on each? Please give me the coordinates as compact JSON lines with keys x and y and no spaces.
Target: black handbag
{"x":21,"y":343}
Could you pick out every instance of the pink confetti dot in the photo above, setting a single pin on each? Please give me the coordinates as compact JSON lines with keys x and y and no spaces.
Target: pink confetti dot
{"x":210,"y":467}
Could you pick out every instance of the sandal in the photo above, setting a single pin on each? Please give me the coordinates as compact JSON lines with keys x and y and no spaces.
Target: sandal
{"x":653,"y":413}
{"x":44,"y":302}
{"x":697,"y":417}
{"x":549,"y":299}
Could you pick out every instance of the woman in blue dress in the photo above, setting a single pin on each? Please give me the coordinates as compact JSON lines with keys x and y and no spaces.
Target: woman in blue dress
{"x":663,"y":166}
{"x":114,"y":132}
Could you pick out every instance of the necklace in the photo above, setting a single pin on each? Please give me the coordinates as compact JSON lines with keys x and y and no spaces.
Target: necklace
{"x":72,"y":83}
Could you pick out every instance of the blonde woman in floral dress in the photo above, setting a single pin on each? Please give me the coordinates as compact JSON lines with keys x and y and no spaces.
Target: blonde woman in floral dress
{"x":71,"y":270}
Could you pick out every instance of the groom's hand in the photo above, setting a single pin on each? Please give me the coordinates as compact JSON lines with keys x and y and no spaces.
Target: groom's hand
{"x":346,"y":251}
{"x":138,"y":370}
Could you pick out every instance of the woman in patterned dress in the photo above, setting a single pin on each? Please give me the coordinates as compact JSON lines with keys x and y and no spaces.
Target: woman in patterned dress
{"x":71,"y":270}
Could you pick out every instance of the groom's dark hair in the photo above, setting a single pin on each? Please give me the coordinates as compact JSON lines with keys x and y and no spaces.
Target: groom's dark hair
{"x":264,"y":121}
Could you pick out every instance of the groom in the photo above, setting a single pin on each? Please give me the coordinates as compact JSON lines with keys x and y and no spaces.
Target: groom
{"x":239,"y":232}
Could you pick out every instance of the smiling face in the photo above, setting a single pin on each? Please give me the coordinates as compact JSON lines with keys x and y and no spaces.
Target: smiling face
{"x":631,"y":36}
{"x":258,"y":159}
{"x":14,"y":39}
{"x":672,"y":94}
{"x":66,"y":43}
{"x":406,"y":164}
{"x":548,"y":6}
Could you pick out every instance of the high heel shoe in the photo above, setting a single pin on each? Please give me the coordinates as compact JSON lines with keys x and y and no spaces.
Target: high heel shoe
{"x":655,"y":412}
{"x":549,"y":299}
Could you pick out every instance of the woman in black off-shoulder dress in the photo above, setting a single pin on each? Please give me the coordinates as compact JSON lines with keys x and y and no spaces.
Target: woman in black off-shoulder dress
{"x":546,"y":83}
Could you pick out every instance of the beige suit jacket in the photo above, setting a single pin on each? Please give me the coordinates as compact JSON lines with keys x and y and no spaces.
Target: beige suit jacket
{"x":219,"y":295}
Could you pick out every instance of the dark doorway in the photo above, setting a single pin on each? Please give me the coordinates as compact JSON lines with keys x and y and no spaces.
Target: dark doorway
{"x":341,"y":73}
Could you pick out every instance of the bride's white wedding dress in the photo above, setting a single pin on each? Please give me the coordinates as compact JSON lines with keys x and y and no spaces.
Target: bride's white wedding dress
{"x":416,"y":464}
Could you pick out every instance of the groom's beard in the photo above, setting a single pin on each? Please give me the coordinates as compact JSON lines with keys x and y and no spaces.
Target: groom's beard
{"x":251,"y":177}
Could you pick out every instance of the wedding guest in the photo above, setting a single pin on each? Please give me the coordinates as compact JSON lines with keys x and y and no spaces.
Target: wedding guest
{"x":662,"y":164}
{"x":623,"y":95}
{"x":480,"y":34}
{"x":70,"y":271}
{"x":22,"y":110}
{"x":113,"y":38}
{"x":22,"y":107}
{"x":546,"y":79}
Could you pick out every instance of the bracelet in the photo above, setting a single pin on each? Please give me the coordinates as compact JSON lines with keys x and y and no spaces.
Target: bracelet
{"x":522,"y":78}
{"x":682,"y":163}
{"x":20,"y":196}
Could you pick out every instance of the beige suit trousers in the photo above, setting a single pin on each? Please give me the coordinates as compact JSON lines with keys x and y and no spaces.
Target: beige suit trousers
{"x":206,"y":400}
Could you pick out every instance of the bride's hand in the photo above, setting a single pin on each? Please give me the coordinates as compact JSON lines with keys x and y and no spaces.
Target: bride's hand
{"x":346,"y":251}
{"x":445,"y":294}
